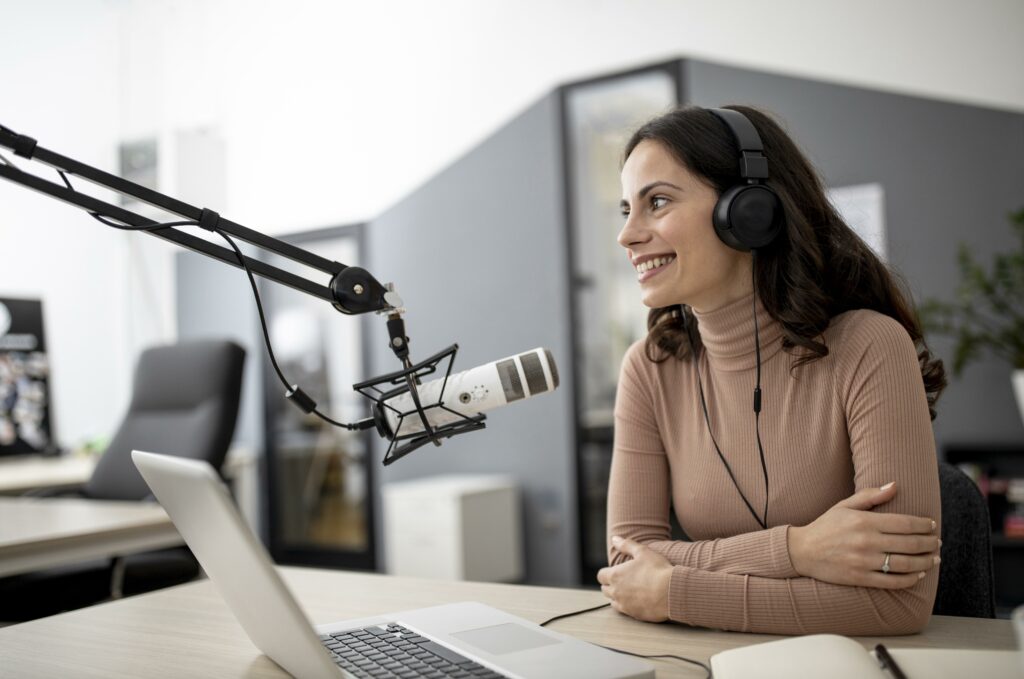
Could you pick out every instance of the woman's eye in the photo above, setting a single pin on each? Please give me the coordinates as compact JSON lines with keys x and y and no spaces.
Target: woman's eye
{"x":625,"y":213}
{"x":658,"y":202}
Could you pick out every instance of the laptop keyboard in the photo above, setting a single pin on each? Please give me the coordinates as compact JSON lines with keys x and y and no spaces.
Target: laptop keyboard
{"x":390,"y":650}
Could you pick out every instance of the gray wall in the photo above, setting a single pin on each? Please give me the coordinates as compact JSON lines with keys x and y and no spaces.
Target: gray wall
{"x":950,"y":173}
{"x":478,"y":255}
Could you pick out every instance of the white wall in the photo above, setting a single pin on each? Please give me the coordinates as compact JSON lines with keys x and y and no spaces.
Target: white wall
{"x":335,"y":110}
{"x":59,"y":77}
{"x":329,"y":112}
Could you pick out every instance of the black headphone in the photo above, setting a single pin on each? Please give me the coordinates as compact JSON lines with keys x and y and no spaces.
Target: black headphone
{"x":748,"y":215}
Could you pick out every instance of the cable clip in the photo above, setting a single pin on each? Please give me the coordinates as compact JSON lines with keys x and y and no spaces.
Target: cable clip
{"x":209,"y":220}
{"x":301,"y":399}
{"x":24,"y":146}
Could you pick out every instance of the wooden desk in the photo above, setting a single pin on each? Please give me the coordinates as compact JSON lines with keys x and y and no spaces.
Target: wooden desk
{"x":38,"y":533}
{"x":31,"y":472}
{"x":188,"y":631}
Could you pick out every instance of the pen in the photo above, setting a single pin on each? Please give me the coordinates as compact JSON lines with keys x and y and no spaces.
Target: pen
{"x":887,"y":662}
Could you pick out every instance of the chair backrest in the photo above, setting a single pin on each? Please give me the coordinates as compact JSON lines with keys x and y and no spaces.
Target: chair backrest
{"x":184,"y":402}
{"x":966,"y":584}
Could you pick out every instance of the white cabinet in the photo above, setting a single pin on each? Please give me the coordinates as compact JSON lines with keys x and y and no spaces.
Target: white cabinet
{"x":455,"y":527}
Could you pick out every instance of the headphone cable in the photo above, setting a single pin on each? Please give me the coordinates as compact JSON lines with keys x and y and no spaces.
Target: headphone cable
{"x":658,"y":656}
{"x":761,"y":521}
{"x":757,"y":389}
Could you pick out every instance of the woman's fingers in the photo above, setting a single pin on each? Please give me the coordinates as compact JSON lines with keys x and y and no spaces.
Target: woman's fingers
{"x":908,"y":544}
{"x":848,"y":544}
{"x":901,"y":563}
{"x":891,"y":580}
{"x":902,"y":524}
{"x":866,"y":498}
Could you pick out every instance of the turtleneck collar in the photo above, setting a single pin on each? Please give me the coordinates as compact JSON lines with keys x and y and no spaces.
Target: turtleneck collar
{"x":728,"y":334}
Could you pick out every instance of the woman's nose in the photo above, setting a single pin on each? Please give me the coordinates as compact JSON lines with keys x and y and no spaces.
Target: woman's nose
{"x":632,"y":233}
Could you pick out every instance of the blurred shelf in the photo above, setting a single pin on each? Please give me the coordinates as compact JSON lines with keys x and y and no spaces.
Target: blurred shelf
{"x":1000,"y":540}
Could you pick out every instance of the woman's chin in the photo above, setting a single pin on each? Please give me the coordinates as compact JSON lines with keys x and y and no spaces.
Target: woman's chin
{"x":667,"y":293}
{"x":656,"y":299}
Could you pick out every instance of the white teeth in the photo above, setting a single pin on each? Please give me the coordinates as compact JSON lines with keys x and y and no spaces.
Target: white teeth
{"x":655,"y":263}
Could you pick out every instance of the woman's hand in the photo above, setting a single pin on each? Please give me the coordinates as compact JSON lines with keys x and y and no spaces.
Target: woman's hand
{"x":847,"y":545}
{"x":638,"y":587}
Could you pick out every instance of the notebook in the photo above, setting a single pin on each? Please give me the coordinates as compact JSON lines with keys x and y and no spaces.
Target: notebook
{"x":836,"y":657}
{"x":453,"y":640}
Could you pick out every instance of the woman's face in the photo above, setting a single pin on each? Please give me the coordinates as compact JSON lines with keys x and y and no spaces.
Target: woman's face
{"x":670,"y":238}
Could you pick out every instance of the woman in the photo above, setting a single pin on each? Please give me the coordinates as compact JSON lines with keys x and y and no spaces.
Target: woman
{"x":820,"y":512}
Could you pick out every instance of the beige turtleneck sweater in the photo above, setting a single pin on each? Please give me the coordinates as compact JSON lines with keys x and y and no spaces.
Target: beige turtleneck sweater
{"x":854,"y":419}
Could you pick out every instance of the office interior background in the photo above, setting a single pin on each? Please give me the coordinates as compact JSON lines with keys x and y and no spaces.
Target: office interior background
{"x":451,"y":147}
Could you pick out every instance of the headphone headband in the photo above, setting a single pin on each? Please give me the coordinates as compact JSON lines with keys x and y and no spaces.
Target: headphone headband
{"x":748,"y":215}
{"x":753,"y":164}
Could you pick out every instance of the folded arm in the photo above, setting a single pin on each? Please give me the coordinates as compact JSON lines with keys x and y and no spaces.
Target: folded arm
{"x":638,"y":509}
{"x":797,"y":605}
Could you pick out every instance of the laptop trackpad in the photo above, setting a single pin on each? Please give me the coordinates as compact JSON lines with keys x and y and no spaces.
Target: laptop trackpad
{"x":505,"y":638}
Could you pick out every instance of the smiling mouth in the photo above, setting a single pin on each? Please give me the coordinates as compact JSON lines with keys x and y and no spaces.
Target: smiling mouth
{"x":653,"y":267}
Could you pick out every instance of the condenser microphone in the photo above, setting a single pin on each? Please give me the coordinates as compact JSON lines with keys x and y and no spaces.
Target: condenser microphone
{"x":469,"y":393}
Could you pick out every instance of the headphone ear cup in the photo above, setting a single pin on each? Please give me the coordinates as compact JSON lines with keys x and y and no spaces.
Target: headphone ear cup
{"x":748,"y":217}
{"x":720,"y":218}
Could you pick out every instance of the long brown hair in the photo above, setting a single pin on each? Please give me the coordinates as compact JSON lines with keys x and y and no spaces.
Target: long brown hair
{"x":817,"y":268}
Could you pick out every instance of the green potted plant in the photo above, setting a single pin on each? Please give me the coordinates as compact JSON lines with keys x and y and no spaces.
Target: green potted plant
{"x":987,"y":314}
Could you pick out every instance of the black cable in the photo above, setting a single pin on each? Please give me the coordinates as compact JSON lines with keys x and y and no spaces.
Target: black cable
{"x":266,"y":333}
{"x":619,"y":650}
{"x":127,"y":227}
{"x":659,"y":656}
{"x":707,"y":419}
{"x":757,"y":389}
{"x":761,"y":521}
{"x":147,"y":227}
{"x":569,"y":615}
{"x":252,"y":281}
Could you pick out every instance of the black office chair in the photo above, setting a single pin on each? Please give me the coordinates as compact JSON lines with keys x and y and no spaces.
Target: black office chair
{"x":184,"y":402}
{"x":966,"y":583}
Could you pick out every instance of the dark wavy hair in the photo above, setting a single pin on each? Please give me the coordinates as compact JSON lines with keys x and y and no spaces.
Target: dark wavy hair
{"x":816,"y":269}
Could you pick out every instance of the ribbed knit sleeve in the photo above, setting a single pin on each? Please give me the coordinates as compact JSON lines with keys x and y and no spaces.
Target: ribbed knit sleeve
{"x":855,"y":419}
{"x":639,"y":494}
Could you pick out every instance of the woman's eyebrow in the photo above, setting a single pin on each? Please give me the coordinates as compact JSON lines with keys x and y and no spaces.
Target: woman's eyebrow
{"x":647,"y":189}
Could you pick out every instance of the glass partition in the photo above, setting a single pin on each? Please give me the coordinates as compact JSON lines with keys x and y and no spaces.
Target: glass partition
{"x":608,"y":315}
{"x":319,"y":474}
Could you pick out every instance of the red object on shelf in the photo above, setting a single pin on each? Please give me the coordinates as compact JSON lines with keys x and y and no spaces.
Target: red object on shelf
{"x":1013,"y":526}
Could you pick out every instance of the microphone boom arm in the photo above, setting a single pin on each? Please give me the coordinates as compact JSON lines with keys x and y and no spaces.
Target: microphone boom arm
{"x":351,"y":289}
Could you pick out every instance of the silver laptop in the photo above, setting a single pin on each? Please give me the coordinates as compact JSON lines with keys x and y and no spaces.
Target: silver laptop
{"x":455,"y":640}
